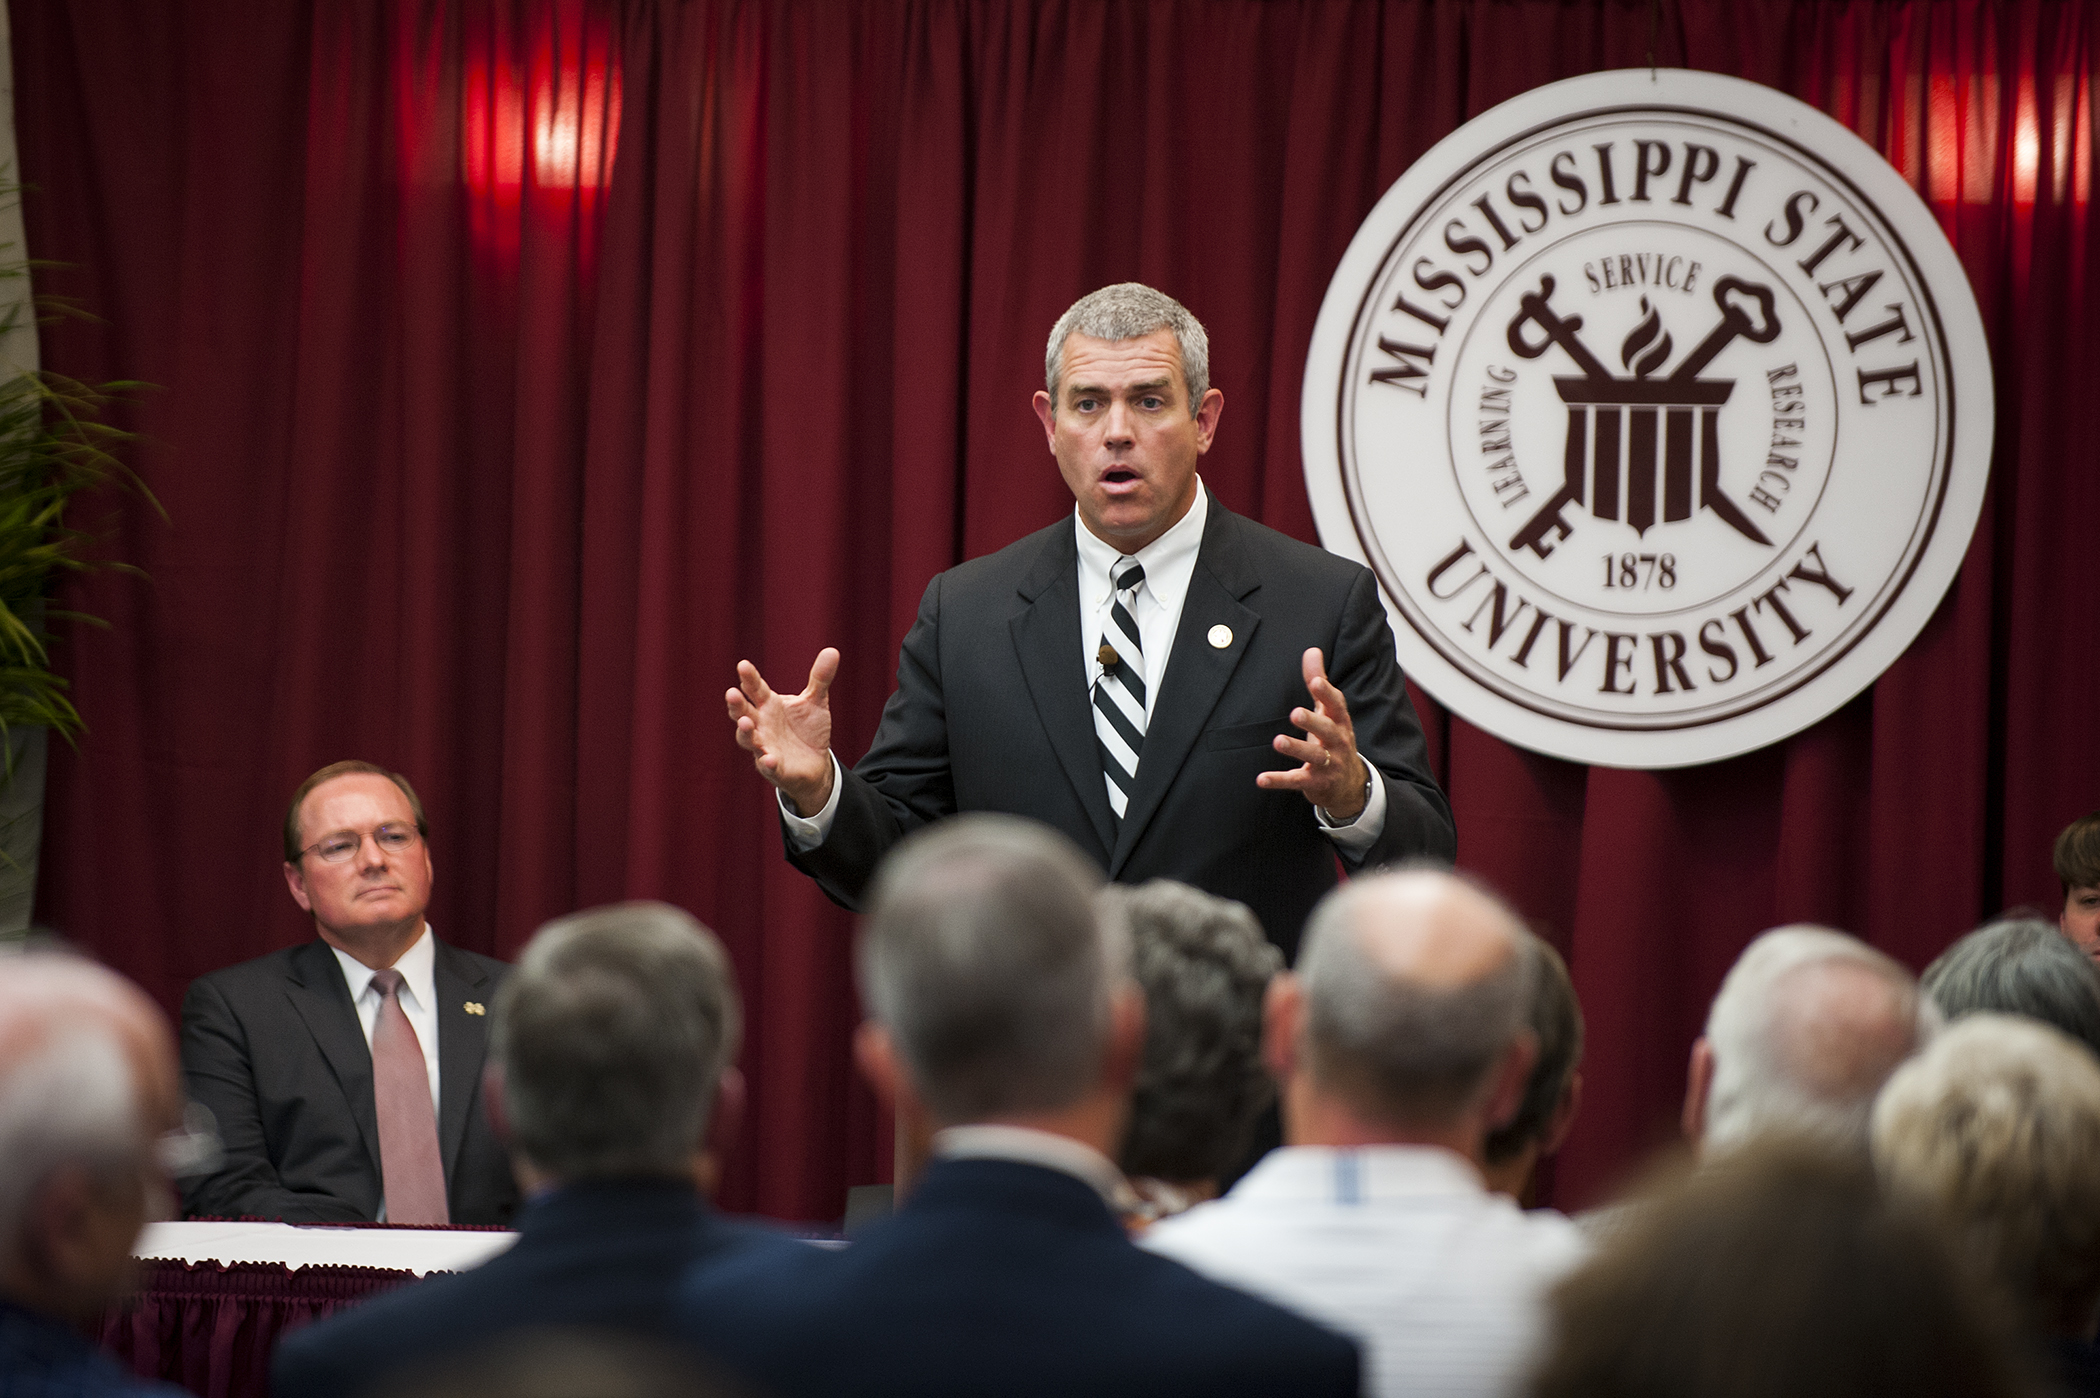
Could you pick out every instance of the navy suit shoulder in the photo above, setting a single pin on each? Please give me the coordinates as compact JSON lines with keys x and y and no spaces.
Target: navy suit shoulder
{"x":608,"y":1255}
{"x":999,"y":1277}
{"x":45,"y":1358}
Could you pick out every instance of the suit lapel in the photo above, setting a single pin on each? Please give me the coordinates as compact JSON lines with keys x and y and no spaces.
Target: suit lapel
{"x":1197,"y":671}
{"x":322,"y":998}
{"x":1046,"y":640}
{"x":463,"y":1043}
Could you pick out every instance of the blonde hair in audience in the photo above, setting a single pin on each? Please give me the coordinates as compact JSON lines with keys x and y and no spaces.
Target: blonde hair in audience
{"x":1997,"y":1126}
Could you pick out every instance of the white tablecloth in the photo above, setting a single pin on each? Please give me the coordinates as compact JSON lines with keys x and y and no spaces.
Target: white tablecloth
{"x":415,"y":1250}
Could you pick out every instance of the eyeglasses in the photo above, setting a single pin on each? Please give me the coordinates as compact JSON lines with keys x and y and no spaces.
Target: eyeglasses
{"x":392,"y":838}
{"x":193,"y":1148}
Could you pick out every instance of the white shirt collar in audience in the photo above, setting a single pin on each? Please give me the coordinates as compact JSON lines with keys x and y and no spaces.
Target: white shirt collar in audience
{"x":1400,"y":1246}
{"x":1026,"y":1146}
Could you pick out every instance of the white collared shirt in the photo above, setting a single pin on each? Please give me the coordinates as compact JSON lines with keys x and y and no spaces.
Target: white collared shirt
{"x":418,"y":968}
{"x":1400,"y":1246}
{"x":1169,"y":562}
{"x":1027,"y":1146}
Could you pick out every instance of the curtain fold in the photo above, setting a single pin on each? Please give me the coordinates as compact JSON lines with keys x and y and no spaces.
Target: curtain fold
{"x":527,"y":363}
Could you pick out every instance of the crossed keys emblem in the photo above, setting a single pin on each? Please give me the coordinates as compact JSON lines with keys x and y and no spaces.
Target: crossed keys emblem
{"x":1627,"y":437}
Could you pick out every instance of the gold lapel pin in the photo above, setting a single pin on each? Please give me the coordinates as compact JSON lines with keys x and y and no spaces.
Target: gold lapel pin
{"x":473,"y":1007}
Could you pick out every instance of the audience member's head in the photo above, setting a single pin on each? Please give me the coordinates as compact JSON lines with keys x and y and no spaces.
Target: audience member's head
{"x":2078,"y":870}
{"x":1406,"y":1018}
{"x":2019,"y":966}
{"x":1204,"y":966}
{"x":1779,"y":1271}
{"x":357,"y":857}
{"x":611,"y":1044}
{"x":1997,"y":1126}
{"x":995,"y":992}
{"x":1553,"y":1093}
{"x":1807,"y":1026}
{"x":88,"y":1086}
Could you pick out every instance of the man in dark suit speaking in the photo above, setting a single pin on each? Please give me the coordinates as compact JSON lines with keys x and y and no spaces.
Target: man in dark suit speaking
{"x":345,"y":1073}
{"x":1137,"y":676}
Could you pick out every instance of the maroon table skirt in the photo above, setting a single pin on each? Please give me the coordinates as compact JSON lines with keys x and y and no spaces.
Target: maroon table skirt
{"x":210,"y":1327}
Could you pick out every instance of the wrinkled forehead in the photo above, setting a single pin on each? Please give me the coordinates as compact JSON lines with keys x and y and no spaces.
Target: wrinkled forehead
{"x":1091,"y":363}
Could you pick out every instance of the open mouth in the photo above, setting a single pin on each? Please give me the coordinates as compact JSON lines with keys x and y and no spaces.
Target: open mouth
{"x":1118,"y":475}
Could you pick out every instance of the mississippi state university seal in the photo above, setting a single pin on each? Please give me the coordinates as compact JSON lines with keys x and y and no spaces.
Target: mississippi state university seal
{"x":1661,"y":408}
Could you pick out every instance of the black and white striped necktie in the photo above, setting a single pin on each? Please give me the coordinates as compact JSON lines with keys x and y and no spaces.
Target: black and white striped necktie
{"x":1119,"y":695}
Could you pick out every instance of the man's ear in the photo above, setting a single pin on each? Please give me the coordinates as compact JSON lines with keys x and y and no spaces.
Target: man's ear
{"x":1126,"y":1038}
{"x":876,"y":1056}
{"x":725,"y":1121}
{"x":296,"y":882}
{"x":1207,"y":414}
{"x":1045,"y":415}
{"x":1698,"y":1083}
{"x":495,"y":1103}
{"x":1563,"y":1119}
{"x":1506,"y":1091}
{"x":1282,"y":1016}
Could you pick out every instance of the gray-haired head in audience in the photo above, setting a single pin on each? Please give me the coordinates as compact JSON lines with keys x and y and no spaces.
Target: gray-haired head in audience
{"x":1415,"y":986}
{"x":1204,"y":965}
{"x":990,"y":973}
{"x":2019,"y":966}
{"x":1553,"y":1093}
{"x":1996,"y":1126}
{"x":611,"y":1043}
{"x":88,"y":1086}
{"x":1807,"y":1026}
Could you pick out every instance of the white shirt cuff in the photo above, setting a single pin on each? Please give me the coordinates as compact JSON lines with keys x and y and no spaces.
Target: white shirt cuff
{"x":1363,"y":832}
{"x":805,"y":833}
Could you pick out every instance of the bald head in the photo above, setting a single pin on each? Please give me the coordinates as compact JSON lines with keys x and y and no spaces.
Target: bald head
{"x":88,"y":1080}
{"x":1414,"y":988}
{"x":1806,"y":1028}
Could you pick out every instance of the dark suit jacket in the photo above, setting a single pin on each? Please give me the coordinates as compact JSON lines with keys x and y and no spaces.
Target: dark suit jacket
{"x":1000,"y":1277}
{"x":273,"y":1047}
{"x":608,"y":1254}
{"x":991,"y":714}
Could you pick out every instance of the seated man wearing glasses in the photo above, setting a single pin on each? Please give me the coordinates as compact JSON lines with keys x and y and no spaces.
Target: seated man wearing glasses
{"x":345,"y":1073}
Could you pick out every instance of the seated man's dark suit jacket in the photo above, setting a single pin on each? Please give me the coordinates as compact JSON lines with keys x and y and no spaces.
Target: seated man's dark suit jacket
{"x":608,"y":1255}
{"x":991,"y":713}
{"x":1007,"y":1278}
{"x":274,"y":1048}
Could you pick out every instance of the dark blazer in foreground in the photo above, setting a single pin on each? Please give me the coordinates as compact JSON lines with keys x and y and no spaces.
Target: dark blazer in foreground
{"x":608,"y":1254}
{"x":991,"y":714}
{"x":1000,"y":1277}
{"x":274,"y":1048}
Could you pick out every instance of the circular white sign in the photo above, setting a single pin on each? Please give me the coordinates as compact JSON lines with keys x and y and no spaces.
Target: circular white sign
{"x":1661,"y":408}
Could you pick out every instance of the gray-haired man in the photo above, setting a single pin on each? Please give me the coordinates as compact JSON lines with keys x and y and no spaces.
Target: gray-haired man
{"x":1400,"y":1042}
{"x":89,"y":1102}
{"x":612,"y":1077}
{"x":1181,"y":692}
{"x":1807,"y":1026}
{"x":1002,"y":1015}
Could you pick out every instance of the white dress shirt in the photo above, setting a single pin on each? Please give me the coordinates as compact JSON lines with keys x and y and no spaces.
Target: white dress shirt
{"x":418,"y":968}
{"x":1169,"y":562}
{"x":1402,"y":1247}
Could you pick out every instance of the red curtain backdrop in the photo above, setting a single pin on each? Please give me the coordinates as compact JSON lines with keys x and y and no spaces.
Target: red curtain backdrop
{"x":525,"y":364}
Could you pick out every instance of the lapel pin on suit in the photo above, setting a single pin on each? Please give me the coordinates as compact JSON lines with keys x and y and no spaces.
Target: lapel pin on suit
{"x":1220,"y":636}
{"x":473,"y":1007}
